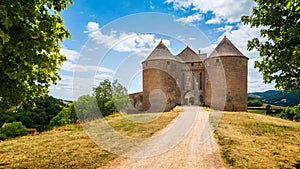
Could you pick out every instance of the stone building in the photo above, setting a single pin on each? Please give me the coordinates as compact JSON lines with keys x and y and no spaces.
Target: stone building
{"x":190,"y":78}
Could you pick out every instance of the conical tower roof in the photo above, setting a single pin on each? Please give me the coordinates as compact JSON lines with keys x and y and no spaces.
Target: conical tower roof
{"x":226,"y":48}
{"x":188,"y":55}
{"x":161,"y":52}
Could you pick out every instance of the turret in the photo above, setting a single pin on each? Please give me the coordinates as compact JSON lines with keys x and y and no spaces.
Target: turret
{"x":226,"y":78}
{"x":161,"y":91}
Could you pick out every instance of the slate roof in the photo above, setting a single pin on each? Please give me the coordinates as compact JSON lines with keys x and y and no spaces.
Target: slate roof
{"x":226,"y":48}
{"x":161,"y":52}
{"x":188,"y":55}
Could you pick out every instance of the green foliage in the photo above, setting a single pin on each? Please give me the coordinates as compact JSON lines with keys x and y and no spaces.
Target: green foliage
{"x":30,"y":33}
{"x":86,"y":108}
{"x":6,"y":118}
{"x":291,"y":113}
{"x":280,"y":49}
{"x":254,"y":101}
{"x":65,"y":116}
{"x":39,"y":117}
{"x":111,"y":97}
{"x":13,"y":130}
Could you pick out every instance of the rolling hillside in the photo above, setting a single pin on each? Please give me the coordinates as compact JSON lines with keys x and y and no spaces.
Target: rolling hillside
{"x":277,"y":97}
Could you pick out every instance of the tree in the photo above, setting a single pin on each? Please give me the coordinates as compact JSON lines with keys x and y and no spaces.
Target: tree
{"x":120,"y":96}
{"x":65,"y":116}
{"x":280,"y":50}
{"x":86,"y":108}
{"x":30,"y":32}
{"x":111,"y":97}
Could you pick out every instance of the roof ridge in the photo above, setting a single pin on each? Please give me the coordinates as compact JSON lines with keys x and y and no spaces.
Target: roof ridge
{"x":188,"y":54}
{"x":226,"y":48}
{"x":161,"y":52}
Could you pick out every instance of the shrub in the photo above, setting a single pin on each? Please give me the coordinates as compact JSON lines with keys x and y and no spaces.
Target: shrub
{"x":13,"y":130}
{"x":65,"y":116}
{"x":291,"y":113}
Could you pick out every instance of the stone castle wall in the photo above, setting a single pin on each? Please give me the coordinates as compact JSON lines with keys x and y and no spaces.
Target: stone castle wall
{"x":226,"y":83}
{"x":218,"y":81}
{"x":161,"y":85}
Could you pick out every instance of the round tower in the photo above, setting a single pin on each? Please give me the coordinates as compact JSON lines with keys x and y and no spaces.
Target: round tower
{"x":226,"y":78}
{"x":161,"y":91}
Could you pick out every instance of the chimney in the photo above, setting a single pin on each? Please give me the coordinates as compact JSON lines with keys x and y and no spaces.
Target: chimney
{"x":199,"y":51}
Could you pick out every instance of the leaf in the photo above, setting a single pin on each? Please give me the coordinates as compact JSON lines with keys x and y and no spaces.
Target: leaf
{"x":288,"y":5}
{"x":27,"y":28}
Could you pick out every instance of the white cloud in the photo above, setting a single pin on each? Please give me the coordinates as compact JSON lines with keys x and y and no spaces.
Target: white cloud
{"x":229,"y":11}
{"x":151,"y":5}
{"x":123,"y":41}
{"x":73,"y":67}
{"x":180,"y":4}
{"x":63,"y":88}
{"x":208,"y":49}
{"x":190,"y":19}
{"x":92,"y":27}
{"x":226,"y":28}
{"x":71,"y":55}
{"x":103,"y":76}
{"x":240,"y":36}
{"x":215,"y":20}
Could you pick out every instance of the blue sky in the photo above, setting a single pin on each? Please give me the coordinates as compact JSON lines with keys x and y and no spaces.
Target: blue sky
{"x":111,"y":38}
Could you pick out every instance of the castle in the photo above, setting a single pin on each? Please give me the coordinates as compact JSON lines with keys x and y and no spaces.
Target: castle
{"x":218,"y":81}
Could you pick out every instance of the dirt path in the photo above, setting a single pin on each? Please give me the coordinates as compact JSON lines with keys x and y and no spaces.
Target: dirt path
{"x":197,"y":149}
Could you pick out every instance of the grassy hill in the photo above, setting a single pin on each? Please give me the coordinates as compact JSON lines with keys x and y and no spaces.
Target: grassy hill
{"x":246,"y":141}
{"x":249,"y":140}
{"x":277,"y":97}
{"x":70,"y":147}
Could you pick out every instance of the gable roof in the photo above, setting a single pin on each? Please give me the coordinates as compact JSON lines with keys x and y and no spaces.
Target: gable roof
{"x":161,"y":52}
{"x":188,"y":55}
{"x":226,"y":48}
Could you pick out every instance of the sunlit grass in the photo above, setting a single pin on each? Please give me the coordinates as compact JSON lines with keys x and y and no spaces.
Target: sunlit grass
{"x":250,"y":140}
{"x":70,"y":147}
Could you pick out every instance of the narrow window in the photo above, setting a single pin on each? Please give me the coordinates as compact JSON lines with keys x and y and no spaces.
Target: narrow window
{"x":201,"y":81}
{"x":193,"y":82}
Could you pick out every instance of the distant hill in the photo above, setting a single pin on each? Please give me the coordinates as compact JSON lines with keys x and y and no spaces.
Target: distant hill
{"x":277,"y":97}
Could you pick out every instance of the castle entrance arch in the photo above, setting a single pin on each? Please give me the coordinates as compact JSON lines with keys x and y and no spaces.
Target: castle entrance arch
{"x":189,"y":98}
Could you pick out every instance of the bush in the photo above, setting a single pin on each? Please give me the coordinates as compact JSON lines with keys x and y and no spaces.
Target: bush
{"x":65,"y":116}
{"x":291,"y":113}
{"x":13,"y":130}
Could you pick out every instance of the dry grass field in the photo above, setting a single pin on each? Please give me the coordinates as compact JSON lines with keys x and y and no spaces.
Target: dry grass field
{"x":70,"y":147}
{"x":249,"y":140}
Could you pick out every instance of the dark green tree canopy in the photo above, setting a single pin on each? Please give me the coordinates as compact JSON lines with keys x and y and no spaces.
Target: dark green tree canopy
{"x":280,"y":53}
{"x":111,"y":97}
{"x":30,"y":32}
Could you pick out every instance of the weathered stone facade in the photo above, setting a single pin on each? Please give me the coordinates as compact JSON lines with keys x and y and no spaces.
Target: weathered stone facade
{"x":219,"y":81}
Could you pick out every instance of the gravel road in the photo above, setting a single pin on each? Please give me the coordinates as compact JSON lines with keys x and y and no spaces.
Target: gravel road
{"x":195,"y":146}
